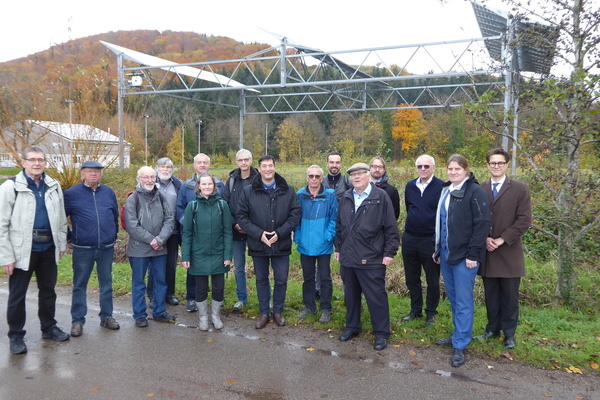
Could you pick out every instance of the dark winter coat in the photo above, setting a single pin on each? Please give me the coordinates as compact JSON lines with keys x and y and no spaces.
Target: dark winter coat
{"x":259,"y":212}
{"x":234,"y":186}
{"x":206,"y":241}
{"x":392,"y":192}
{"x":365,"y":237}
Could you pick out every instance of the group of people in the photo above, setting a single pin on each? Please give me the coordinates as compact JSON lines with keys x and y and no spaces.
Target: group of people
{"x":459,"y":228}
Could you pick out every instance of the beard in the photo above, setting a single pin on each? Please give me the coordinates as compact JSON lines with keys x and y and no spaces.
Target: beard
{"x":165,"y":176}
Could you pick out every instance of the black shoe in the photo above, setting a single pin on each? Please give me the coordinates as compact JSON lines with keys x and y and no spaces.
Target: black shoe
{"x":379,"y":344}
{"x":141,"y":322}
{"x":347,"y":335}
{"x":57,"y":334}
{"x":487,"y":335}
{"x":509,"y":342}
{"x":172,"y":301}
{"x":412,"y":315}
{"x":164,"y":317}
{"x":444,"y":342}
{"x":191,"y":306}
{"x":17,"y":345}
{"x":458,"y":358}
{"x":430,"y":320}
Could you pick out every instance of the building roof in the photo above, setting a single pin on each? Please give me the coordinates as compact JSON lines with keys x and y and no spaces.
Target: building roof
{"x":75,"y":131}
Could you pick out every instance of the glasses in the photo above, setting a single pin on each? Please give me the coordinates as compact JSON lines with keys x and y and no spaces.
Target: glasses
{"x":314,"y":176}
{"x":243,"y":160}
{"x":497,"y":164}
{"x":358,"y":173}
{"x":148,"y":177}
{"x":377,"y":166}
{"x":36,"y":160}
{"x":423,"y":166}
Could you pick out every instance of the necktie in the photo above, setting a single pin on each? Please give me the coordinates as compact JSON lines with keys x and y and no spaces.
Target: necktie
{"x":495,"y":190}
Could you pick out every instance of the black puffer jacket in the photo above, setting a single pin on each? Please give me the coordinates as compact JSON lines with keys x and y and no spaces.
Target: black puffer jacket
{"x":259,"y":212}
{"x":365,"y":237}
{"x":392,"y":192}
{"x":234,"y":186}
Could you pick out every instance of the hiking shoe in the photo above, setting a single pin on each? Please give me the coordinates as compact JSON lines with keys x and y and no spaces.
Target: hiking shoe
{"x":56,"y":334}
{"x":237,"y":307}
{"x":172,"y":301}
{"x":191,"y":306}
{"x":77,"y":329}
{"x":141,"y":322}
{"x":306,"y":313}
{"x":110,"y":323}
{"x":325,"y":316}
{"x":17,"y":345}
{"x":164,"y":317}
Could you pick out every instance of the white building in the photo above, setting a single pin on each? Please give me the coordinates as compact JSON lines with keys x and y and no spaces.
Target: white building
{"x":65,"y":145}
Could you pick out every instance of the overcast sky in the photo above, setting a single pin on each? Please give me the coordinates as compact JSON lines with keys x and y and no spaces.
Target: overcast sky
{"x":329,"y":25}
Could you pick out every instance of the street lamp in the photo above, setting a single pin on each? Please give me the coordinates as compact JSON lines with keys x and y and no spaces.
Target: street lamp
{"x":146,"y":138}
{"x":199,"y":129}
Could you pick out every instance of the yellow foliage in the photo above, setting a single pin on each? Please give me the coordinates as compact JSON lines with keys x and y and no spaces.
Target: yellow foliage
{"x":408,"y":127}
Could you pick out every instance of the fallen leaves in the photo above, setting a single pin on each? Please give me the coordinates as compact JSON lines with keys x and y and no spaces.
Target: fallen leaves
{"x":508,"y":355}
{"x":574,"y":370}
{"x":232,"y":381}
{"x":310,"y":349}
{"x":594,"y":366}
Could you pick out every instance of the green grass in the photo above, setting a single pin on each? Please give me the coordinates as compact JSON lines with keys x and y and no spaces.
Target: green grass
{"x":549,"y":335}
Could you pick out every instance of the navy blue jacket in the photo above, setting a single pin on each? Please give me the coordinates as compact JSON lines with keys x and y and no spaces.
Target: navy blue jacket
{"x":94,"y":216}
{"x":421,"y":209}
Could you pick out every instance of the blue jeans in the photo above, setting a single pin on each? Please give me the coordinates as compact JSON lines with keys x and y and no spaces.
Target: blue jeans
{"x":239,"y":261}
{"x":281,"y":267}
{"x":172,"y":246}
{"x":83,"y":265}
{"x":139,"y":267}
{"x":460,"y":282}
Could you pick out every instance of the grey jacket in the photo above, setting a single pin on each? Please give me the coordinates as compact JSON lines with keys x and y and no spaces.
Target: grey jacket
{"x":154,"y":220}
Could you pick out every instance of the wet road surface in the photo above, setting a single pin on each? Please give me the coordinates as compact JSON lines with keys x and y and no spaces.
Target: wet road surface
{"x":294,"y":362}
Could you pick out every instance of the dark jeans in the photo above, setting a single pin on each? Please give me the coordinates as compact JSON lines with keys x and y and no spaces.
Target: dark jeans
{"x":170,"y":272}
{"x":311,"y":264}
{"x":218,"y":287}
{"x":281,"y":267}
{"x":44,"y":266}
{"x":417,"y":252}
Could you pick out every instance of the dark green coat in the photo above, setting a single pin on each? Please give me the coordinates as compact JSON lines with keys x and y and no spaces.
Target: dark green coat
{"x":207,"y":239}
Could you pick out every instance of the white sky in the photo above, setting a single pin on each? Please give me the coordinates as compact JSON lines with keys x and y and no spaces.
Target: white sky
{"x":330,"y":25}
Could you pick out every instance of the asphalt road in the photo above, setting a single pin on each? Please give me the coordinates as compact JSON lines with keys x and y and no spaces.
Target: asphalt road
{"x":293,"y":362}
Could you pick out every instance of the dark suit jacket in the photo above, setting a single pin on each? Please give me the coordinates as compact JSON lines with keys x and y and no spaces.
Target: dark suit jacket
{"x":511,"y":217}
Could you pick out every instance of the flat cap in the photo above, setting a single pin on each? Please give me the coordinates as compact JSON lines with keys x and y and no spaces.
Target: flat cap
{"x":357,"y":166}
{"x":91,"y":164}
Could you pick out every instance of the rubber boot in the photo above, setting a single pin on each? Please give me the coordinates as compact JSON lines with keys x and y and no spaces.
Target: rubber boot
{"x":203,"y":315}
{"x":216,"y":314}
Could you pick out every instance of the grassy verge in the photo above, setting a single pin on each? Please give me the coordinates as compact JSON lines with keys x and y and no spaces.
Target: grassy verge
{"x":549,"y":335}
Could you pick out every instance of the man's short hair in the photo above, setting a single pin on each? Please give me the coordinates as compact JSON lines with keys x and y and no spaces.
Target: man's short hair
{"x":31,"y":149}
{"x":243,"y":152}
{"x":333,"y":153}
{"x":499,"y":151}
{"x":423,"y":156}
{"x":145,"y":167}
{"x":201,"y":155}
{"x":164,"y":161}
{"x":266,"y":157}
{"x":314,"y":166}
{"x":380,"y":159}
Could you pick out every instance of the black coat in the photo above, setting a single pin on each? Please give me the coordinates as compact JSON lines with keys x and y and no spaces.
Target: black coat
{"x":365,"y":237}
{"x":392,"y":192}
{"x":234,"y":186}
{"x":258,"y":212}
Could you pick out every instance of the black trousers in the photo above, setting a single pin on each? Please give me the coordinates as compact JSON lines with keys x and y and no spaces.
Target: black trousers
{"x":371,"y":282}
{"x":218,"y":287}
{"x":502,"y":304}
{"x":417,"y":252}
{"x":43,"y":264}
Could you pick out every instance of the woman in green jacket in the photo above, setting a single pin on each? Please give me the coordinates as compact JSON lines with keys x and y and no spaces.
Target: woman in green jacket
{"x":206,"y":247}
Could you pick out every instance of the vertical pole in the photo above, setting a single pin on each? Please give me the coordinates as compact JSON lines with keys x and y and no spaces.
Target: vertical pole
{"x":508,"y":56}
{"x":120,"y":95}
{"x":199,"y":131}
{"x":242,"y":117}
{"x":513,"y":167}
{"x":267,"y":138}
{"x":182,"y":143}
{"x":146,"y":139}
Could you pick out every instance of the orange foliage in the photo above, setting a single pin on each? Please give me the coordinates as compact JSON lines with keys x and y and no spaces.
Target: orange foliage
{"x":408,"y":127}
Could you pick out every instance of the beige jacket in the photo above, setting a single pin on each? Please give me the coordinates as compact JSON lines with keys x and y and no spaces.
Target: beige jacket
{"x":17,"y":212}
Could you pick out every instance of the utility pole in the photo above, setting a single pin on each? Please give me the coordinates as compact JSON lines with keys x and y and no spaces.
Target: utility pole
{"x":182,"y":143}
{"x":199,"y":130}
{"x":146,"y":139}
{"x":266,"y":138}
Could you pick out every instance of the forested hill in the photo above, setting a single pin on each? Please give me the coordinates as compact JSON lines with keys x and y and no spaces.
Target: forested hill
{"x":89,"y":54}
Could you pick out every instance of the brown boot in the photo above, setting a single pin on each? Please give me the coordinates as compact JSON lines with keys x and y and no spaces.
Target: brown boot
{"x":263,"y":320}
{"x":279,"y":321}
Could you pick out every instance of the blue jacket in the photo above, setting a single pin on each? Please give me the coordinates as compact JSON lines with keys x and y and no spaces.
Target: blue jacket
{"x":315,"y":233}
{"x":94,"y":216}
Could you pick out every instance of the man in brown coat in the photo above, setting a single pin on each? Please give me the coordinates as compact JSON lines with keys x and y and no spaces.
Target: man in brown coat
{"x":504,"y":264}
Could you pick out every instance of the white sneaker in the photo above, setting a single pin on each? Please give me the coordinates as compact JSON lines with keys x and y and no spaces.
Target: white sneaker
{"x":238,"y":306}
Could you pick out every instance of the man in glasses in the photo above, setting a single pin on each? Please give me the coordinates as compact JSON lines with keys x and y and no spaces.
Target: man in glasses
{"x":380,"y":177}
{"x":314,"y":236}
{"x":33,"y":237}
{"x":504,"y":262}
{"x":238,"y":179}
{"x":366,"y":242}
{"x":421,"y":197}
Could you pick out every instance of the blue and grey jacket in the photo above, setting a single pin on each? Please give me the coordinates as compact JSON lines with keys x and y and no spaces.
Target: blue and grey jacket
{"x":94,"y":216}
{"x":315,"y":233}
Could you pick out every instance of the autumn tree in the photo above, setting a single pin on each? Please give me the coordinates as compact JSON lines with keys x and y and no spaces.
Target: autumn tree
{"x":175,"y":149}
{"x":299,"y":136}
{"x":561,"y":112}
{"x":408,"y":128}
{"x":356,"y":134}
